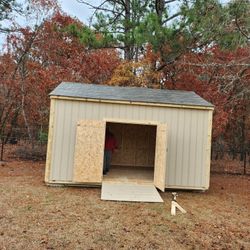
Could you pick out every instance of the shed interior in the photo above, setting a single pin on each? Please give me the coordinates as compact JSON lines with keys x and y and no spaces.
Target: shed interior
{"x":134,"y":158}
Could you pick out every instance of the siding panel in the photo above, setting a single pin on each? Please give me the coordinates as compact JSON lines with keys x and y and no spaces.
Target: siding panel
{"x":192,"y":151}
{"x":172,"y":147}
{"x":187,"y":137}
{"x":185,"y":148}
{"x":58,"y":137}
{"x":179,"y":146}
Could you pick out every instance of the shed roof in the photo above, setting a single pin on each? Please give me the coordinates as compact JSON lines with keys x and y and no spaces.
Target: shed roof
{"x":129,"y":94}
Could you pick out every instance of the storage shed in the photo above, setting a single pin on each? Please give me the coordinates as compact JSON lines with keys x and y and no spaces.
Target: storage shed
{"x":164,"y":136}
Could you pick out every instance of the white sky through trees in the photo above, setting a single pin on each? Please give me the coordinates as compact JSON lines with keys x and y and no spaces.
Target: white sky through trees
{"x":79,"y":10}
{"x":70,"y":7}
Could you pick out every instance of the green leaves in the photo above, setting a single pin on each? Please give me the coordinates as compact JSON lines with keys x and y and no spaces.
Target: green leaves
{"x":209,"y":22}
{"x":171,"y":27}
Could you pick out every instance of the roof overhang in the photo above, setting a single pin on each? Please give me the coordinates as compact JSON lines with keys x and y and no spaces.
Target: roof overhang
{"x":82,"y":99}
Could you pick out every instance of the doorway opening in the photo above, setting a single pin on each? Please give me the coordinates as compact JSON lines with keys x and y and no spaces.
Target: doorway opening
{"x":133,"y":159}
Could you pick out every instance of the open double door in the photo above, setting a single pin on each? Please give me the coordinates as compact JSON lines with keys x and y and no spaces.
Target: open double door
{"x":89,"y":151}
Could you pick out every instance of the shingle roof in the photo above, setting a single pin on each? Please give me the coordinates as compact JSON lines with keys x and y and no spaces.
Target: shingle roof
{"x":130,"y":94}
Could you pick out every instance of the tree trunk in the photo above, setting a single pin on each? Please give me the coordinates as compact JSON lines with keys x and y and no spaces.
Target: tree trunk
{"x":127,"y":30}
{"x":2,"y":148}
{"x":27,"y":124}
{"x":22,"y":72}
{"x":159,"y":8}
{"x":243,"y":144}
{"x":245,"y":163}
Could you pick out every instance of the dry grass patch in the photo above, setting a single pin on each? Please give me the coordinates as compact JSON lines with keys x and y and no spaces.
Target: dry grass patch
{"x":34,"y":216}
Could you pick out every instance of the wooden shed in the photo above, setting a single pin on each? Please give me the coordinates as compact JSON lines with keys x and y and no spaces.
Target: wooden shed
{"x":164,"y":136}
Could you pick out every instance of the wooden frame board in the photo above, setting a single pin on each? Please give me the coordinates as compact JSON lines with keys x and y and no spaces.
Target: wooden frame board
{"x":208,"y":148}
{"x":160,"y":157}
{"x":127,"y":121}
{"x":50,"y":140}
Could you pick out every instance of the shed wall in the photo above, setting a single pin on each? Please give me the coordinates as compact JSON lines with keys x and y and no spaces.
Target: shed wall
{"x":188,"y":139}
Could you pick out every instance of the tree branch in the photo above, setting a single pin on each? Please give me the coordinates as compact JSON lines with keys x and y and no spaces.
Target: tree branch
{"x":91,"y":18}
{"x":170,"y":1}
{"x":98,"y":7}
{"x":168,"y":63}
{"x":172,"y":17}
{"x":240,"y":29}
{"x":216,"y":64}
{"x":32,"y":39}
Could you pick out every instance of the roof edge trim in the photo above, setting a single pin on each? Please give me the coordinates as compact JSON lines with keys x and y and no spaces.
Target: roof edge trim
{"x":131,"y":103}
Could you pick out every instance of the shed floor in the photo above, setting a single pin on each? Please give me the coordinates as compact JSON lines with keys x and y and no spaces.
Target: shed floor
{"x":130,"y":174}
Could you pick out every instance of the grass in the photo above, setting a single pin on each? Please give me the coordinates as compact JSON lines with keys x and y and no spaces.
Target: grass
{"x":34,"y":216}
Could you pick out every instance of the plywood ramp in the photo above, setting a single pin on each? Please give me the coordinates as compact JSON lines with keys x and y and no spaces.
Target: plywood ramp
{"x":130,"y":184}
{"x":130,"y":192}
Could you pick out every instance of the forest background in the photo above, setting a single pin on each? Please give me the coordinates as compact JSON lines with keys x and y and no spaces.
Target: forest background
{"x":198,"y":45}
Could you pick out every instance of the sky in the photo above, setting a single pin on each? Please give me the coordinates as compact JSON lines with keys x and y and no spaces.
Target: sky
{"x":83,"y":12}
{"x":74,"y":9}
{"x":71,"y":7}
{"x":79,"y":10}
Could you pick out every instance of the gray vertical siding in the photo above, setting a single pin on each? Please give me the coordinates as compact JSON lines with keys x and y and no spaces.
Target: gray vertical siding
{"x":187,"y":138}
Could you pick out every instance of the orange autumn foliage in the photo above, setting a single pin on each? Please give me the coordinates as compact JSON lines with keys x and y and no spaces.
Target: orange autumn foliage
{"x":51,"y":54}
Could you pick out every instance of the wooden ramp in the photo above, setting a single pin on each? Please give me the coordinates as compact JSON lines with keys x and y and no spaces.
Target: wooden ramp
{"x":128,"y":191}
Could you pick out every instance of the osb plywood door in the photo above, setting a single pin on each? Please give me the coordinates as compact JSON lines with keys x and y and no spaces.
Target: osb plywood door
{"x":160,"y":157}
{"x":89,"y":148}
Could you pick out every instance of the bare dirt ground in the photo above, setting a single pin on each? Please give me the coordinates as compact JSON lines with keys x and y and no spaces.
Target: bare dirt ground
{"x":34,"y":216}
